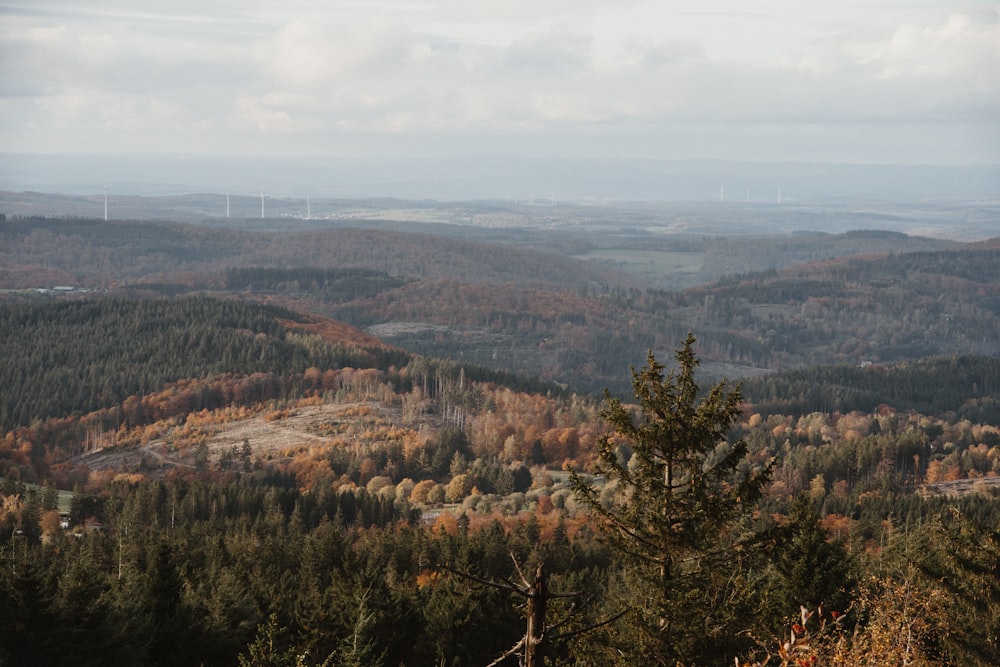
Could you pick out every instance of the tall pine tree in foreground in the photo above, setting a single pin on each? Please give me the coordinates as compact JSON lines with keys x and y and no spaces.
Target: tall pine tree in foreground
{"x":676,"y":508}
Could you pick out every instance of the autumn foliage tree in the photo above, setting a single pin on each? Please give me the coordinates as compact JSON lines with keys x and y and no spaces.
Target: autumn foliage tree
{"x":680,"y":495}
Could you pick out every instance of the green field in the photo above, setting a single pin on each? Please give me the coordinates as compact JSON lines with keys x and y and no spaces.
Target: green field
{"x":65,"y":497}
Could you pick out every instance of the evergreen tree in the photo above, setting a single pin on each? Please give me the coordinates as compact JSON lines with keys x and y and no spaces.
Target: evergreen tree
{"x":812,"y":570}
{"x":270,"y":648}
{"x":963,"y":559}
{"x":677,"y":510}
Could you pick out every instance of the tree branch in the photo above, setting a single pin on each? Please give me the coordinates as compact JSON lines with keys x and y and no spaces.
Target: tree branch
{"x":573,"y":633}
{"x":511,"y":651}
{"x":485,"y":582}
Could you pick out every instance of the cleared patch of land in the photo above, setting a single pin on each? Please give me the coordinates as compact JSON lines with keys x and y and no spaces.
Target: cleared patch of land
{"x":960,"y":487}
{"x":649,"y":263}
{"x":273,"y":435}
{"x":393,"y":329}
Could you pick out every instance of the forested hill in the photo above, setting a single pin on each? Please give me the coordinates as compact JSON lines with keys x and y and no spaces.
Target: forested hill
{"x":874,"y":308}
{"x":743,"y":255}
{"x":966,"y":386}
{"x":521,"y":310}
{"x":877,"y":308}
{"x":100,"y":253}
{"x":82,"y":355}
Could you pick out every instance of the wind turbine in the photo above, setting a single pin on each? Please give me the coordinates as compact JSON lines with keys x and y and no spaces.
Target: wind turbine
{"x":227,"y":205}
{"x":262,"y":203}
{"x":308,"y":209}
{"x":105,"y":204}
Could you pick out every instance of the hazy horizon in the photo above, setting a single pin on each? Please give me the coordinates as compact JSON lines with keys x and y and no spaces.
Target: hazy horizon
{"x":476,"y":178}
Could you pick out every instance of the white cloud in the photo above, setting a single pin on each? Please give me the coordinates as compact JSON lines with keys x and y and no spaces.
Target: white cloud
{"x":559,"y":67}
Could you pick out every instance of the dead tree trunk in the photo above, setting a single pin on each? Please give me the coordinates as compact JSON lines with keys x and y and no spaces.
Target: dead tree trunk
{"x":538,"y":595}
{"x":533,"y":646}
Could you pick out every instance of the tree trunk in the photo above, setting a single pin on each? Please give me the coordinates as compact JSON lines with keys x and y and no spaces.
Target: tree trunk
{"x":537,"y":602}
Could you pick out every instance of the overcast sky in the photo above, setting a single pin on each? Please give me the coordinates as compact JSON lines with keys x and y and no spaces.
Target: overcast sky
{"x":860,"y":81}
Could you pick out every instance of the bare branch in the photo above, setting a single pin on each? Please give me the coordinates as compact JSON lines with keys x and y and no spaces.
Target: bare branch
{"x":511,"y":651}
{"x":484,"y":582}
{"x":517,"y":566}
{"x":581,"y":631}
{"x":573,"y":608}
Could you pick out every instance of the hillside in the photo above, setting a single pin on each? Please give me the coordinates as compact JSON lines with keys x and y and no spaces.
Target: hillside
{"x":965,"y":386}
{"x":867,"y":308}
{"x":548,"y":304}
{"x":86,"y":354}
{"x":97,"y":253}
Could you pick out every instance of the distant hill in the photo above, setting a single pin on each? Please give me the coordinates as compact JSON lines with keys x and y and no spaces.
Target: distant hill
{"x":966,"y":386}
{"x":871,"y":308}
{"x":100,"y":253}
{"x":734,"y":256}
{"x":81,"y":355}
{"x":503,"y":305}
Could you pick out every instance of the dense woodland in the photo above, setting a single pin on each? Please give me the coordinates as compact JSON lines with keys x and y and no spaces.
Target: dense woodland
{"x":401,"y":538}
{"x":88,"y":354}
{"x":871,"y":309}
{"x":229,"y":478}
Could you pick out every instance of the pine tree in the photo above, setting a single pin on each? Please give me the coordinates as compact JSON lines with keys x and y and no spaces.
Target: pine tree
{"x":812,"y":570}
{"x":678,"y":508}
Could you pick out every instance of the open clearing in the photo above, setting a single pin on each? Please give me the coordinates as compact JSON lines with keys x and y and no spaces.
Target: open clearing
{"x":272,"y":436}
{"x":649,"y":262}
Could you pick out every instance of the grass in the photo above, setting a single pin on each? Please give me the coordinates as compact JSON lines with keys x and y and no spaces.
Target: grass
{"x":65,"y":497}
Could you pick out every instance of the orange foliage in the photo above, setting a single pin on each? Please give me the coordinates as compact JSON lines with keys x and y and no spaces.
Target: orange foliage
{"x":837,"y":526}
{"x":560,"y":444}
{"x":413,"y":442}
{"x":311,"y":472}
{"x":427,"y":578}
{"x":952,"y":473}
{"x":418,"y":496}
{"x":333,"y":331}
{"x":934,"y":472}
{"x":446,"y":522}
{"x":10,"y":507}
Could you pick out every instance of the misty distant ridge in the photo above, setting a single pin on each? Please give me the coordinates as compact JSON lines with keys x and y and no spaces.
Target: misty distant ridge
{"x":535,"y":180}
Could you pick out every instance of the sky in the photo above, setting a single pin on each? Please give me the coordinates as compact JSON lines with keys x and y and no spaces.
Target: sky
{"x":848,"y":81}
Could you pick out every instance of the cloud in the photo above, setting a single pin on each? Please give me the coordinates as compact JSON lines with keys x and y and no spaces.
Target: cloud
{"x":552,"y":54}
{"x":437,"y":68}
{"x":305,"y":53}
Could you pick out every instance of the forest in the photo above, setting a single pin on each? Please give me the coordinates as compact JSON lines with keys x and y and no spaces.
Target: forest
{"x":407,"y":526}
{"x":371,"y":443}
{"x":525,"y":302}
